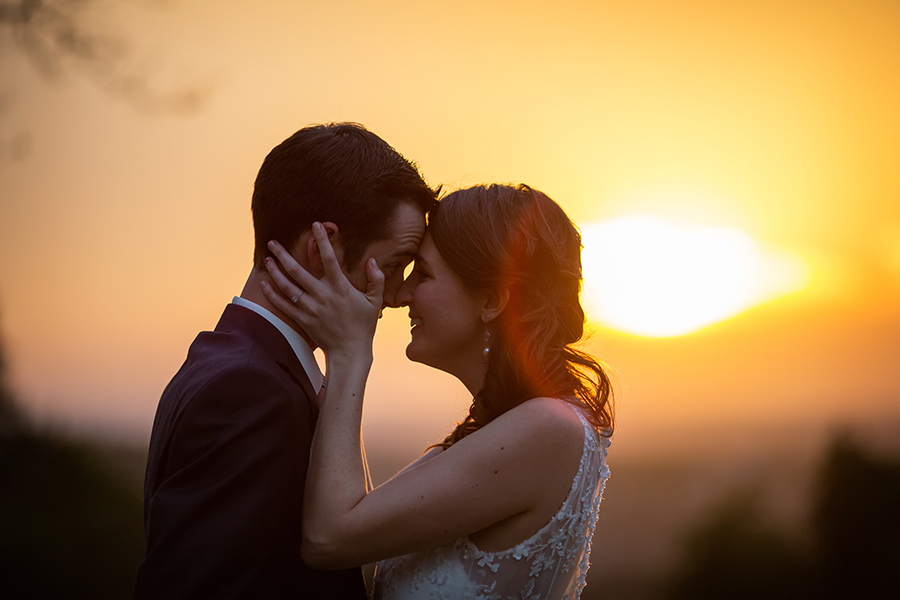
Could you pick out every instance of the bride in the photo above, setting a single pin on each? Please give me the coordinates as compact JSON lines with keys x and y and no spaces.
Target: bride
{"x":506,"y":505}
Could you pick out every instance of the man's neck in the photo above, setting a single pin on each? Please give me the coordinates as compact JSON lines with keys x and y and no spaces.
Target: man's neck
{"x":253,"y":292}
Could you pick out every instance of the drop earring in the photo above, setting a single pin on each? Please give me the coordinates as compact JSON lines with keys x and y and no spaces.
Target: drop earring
{"x":487,"y":339}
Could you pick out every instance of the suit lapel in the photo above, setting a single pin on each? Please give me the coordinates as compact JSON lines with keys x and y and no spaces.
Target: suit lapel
{"x":261,"y":332}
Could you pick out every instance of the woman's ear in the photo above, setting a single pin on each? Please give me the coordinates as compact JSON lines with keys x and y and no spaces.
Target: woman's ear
{"x":494,"y":304}
{"x":312,"y":249}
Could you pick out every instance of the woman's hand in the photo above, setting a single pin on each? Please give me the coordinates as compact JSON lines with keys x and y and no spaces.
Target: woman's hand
{"x":337,"y":317}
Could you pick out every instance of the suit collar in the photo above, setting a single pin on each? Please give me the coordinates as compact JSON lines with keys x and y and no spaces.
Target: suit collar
{"x":298,"y":344}
{"x":247,"y":322}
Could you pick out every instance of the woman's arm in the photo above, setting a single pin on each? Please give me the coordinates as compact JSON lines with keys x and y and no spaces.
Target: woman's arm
{"x":522,"y":462}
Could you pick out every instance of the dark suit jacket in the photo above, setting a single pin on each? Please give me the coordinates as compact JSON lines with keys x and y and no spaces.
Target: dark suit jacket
{"x":224,"y":486}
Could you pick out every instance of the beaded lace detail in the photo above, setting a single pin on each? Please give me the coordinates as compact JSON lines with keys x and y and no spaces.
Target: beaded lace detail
{"x":552,"y":564}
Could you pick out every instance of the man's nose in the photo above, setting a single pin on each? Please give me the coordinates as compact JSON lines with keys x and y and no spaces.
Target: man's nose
{"x":401,"y":295}
{"x":389,"y":300}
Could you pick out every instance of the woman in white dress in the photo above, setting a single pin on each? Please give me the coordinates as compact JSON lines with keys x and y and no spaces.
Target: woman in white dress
{"x":505,"y":506}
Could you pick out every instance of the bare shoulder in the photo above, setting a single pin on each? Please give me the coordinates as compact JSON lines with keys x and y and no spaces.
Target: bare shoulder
{"x":541,"y":425}
{"x":548,"y":415}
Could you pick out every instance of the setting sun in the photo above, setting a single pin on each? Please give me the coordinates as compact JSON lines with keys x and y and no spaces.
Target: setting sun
{"x":653,"y":278}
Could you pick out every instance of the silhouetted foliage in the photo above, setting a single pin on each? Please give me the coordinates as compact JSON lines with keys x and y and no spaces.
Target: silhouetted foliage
{"x":853,"y":549}
{"x":735,"y":554}
{"x":70,"y":526}
{"x":58,"y":38}
{"x":10,"y":418}
{"x":857,"y":525}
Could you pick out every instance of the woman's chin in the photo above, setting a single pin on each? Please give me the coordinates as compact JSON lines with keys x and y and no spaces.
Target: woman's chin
{"x":411,"y":352}
{"x":415,"y":353}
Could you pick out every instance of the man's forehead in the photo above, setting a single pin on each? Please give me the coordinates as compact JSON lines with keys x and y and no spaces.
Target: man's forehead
{"x":406,"y":246}
{"x":401,"y":244}
{"x":407,"y":229}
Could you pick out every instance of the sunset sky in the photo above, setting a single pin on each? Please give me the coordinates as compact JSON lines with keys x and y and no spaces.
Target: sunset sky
{"x":125,"y":224}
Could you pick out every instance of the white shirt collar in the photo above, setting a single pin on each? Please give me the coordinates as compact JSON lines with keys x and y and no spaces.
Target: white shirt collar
{"x":298,"y":344}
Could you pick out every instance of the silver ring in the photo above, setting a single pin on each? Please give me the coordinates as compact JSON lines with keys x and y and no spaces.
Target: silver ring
{"x":296,"y":297}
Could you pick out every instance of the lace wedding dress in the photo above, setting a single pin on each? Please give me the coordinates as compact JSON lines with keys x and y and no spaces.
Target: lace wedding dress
{"x":550,"y":565}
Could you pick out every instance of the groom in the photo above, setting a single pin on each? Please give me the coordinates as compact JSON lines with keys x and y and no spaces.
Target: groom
{"x":230,"y":445}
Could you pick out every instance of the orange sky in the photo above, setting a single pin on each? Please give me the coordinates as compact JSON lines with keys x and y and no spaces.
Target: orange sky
{"x":123,"y":233}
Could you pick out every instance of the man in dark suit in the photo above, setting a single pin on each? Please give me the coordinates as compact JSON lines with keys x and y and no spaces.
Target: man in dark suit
{"x":230,"y":445}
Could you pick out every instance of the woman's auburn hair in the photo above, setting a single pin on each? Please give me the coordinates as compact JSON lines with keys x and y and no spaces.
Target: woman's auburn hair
{"x":516,"y":237}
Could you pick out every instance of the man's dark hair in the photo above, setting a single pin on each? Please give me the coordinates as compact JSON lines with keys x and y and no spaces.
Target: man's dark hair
{"x":338,"y":172}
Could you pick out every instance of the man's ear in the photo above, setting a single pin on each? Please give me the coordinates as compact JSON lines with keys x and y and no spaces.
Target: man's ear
{"x":494,"y":304}
{"x":312,"y":249}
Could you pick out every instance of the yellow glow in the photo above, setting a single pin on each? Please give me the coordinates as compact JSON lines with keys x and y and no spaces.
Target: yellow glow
{"x":779,"y":118}
{"x":648,"y":277}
